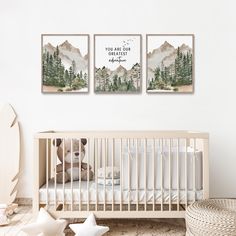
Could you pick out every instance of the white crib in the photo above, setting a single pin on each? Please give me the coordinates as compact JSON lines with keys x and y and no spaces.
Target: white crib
{"x":160,"y":174}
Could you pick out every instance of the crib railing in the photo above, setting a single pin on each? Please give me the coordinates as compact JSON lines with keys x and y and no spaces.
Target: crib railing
{"x":161,"y":172}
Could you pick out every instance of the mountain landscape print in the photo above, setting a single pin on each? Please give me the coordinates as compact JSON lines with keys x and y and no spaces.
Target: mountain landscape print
{"x":65,"y":63}
{"x":170,"y":63}
{"x":117,"y":63}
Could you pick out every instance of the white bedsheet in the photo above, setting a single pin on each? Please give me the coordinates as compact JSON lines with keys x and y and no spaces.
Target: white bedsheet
{"x":155,"y":159}
{"x":153,"y":171}
{"x":125,"y":194}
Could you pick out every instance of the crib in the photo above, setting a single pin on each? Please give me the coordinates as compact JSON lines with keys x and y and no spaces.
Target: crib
{"x":152,"y":174}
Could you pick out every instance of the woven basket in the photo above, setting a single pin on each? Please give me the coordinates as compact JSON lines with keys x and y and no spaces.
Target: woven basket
{"x":211,"y":217}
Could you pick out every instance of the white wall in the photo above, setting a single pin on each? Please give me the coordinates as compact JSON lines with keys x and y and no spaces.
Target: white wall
{"x":211,"y":108}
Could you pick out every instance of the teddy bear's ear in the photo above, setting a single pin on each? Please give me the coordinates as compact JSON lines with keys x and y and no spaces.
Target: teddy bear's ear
{"x":57,"y":143}
{"x":84,"y":141}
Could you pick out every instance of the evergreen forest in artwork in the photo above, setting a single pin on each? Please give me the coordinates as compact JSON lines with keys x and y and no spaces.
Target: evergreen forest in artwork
{"x":170,"y":69}
{"x":55,"y":74}
{"x":120,"y":80}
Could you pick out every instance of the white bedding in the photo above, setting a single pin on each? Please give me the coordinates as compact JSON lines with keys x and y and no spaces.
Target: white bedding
{"x":155,"y":170}
{"x":50,"y":194}
{"x":128,"y":168}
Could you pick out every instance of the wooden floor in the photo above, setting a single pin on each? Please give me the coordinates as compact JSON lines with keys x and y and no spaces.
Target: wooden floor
{"x":24,"y":216}
{"x":159,"y":227}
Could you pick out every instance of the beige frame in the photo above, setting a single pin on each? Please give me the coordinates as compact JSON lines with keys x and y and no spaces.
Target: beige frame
{"x":193,"y":63}
{"x":94,"y":63}
{"x":42,"y":35}
{"x":42,"y":145}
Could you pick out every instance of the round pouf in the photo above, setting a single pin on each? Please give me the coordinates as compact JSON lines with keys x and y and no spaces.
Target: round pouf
{"x":211,"y":217}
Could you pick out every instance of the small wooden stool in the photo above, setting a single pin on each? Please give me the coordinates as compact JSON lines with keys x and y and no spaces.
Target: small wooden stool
{"x":211,"y":217}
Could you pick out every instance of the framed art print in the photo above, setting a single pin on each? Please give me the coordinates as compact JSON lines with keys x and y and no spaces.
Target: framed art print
{"x":170,"y":63}
{"x":65,"y":63}
{"x":117,"y":63}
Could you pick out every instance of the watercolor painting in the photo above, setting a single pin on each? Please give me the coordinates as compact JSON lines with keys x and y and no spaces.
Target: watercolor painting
{"x":170,"y":63}
{"x":65,"y":63}
{"x":117,"y":64}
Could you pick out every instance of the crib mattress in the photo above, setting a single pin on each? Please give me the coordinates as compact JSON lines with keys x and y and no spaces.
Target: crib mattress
{"x":127,"y":196}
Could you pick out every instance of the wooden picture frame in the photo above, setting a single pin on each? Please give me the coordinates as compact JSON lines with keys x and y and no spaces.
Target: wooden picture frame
{"x":117,"y":63}
{"x":65,"y":63}
{"x":170,"y":63}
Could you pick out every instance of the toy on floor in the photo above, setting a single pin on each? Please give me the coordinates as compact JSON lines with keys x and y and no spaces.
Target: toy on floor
{"x":89,"y":228}
{"x":11,"y":209}
{"x":76,"y":155}
{"x":45,"y":225}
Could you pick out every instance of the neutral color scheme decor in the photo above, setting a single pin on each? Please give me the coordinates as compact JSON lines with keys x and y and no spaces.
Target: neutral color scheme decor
{"x":65,"y":63}
{"x":161,"y":173}
{"x":3,"y":215}
{"x":45,"y":225}
{"x":9,"y":154}
{"x":212,"y":217}
{"x":89,"y":227}
{"x":124,"y":227}
{"x":169,"y":61}
{"x":117,"y":63}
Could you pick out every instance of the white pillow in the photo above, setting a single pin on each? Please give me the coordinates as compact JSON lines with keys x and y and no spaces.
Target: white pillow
{"x":89,"y":228}
{"x":45,"y":225}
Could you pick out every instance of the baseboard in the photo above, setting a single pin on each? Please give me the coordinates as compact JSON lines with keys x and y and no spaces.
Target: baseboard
{"x":24,"y":201}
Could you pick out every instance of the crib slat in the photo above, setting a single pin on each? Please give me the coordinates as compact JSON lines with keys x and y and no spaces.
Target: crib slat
{"x":112,"y":160}
{"x":205,"y":168}
{"x":47,"y":171}
{"x":145,"y":172}
{"x":137,"y":176}
{"x":105,"y":163}
{"x":194,"y":170}
{"x":128,"y":143}
{"x":161,"y":143}
{"x":80,"y":166}
{"x":55,"y":176}
{"x":178,"y":200}
{"x":153,"y":165}
{"x":186,"y":174}
{"x":88,"y":151}
{"x":63,"y":166}
{"x":170,"y":177}
{"x":96,"y":171}
{"x":71,"y":181}
{"x":121,"y":174}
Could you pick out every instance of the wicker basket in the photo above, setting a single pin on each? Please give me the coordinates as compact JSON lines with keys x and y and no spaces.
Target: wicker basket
{"x":211,"y":217}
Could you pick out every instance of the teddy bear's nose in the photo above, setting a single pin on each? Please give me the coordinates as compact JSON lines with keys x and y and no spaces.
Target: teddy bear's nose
{"x":77,"y":153}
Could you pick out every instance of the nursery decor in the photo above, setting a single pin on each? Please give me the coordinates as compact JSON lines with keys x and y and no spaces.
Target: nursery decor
{"x":211,"y":217}
{"x":65,"y":63}
{"x":76,"y":155}
{"x":131,"y":168}
{"x":89,"y":228}
{"x":45,"y":225}
{"x":170,"y":63}
{"x":109,"y":175}
{"x":117,"y":63}
{"x":9,"y":154}
{"x":3,"y":215}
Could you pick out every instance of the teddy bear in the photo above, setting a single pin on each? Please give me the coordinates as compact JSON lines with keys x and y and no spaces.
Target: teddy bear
{"x":77,"y":156}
